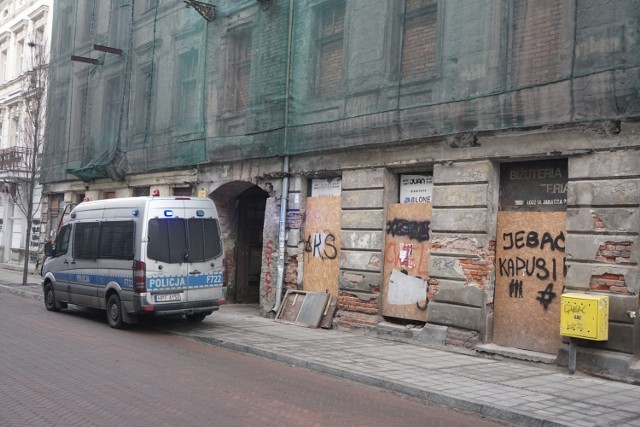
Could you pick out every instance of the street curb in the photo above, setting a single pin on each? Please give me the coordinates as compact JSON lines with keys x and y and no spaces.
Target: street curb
{"x":21,"y":292}
{"x":434,"y":397}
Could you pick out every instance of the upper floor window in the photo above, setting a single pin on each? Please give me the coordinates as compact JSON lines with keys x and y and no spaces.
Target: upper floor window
{"x":142,"y":101}
{"x":419,"y":38}
{"x":239,"y":71}
{"x":329,"y":48}
{"x":537,"y":47}
{"x":187,"y":88}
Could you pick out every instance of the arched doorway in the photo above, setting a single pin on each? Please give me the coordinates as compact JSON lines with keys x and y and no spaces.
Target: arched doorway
{"x":241,"y":207}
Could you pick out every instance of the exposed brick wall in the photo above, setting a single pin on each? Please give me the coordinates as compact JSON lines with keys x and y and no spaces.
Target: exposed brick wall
{"x":536,"y":41}
{"x":356,"y":312}
{"x":419,"y":38}
{"x":615,"y":252}
{"x":613,"y":283}
{"x":330,"y":45}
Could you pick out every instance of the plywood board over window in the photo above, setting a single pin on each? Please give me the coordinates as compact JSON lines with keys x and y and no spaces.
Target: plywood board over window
{"x":322,"y":245}
{"x":406,"y":261}
{"x":530,"y":274}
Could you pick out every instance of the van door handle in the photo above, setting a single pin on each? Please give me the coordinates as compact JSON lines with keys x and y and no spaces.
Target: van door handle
{"x":194,"y":272}
{"x":73,"y":262}
{"x":66,"y":262}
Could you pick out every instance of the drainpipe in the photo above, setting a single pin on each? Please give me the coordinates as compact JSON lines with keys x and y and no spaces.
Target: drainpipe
{"x":285,"y":172}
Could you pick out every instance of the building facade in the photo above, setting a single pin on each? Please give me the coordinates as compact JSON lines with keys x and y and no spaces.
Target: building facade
{"x":25,"y":28}
{"x":454,"y":166}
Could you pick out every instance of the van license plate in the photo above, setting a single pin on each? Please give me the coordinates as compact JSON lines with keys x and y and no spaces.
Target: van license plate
{"x":167,"y":297}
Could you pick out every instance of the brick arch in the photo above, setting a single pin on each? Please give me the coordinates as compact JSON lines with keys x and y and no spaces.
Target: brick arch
{"x":229,"y":198}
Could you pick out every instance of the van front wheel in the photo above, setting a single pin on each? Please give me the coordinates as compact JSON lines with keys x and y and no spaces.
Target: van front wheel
{"x":50,"y":298}
{"x":114,"y":312}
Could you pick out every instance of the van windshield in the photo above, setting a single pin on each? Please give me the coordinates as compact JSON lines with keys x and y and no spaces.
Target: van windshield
{"x":176,"y":240}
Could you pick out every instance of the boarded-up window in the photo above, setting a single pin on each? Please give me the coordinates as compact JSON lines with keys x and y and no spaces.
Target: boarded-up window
{"x":239,"y":71}
{"x":329,"y":49}
{"x":419,"y":39}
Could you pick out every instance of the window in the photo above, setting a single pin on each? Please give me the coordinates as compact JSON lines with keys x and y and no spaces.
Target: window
{"x":3,"y":66}
{"x":116,"y":240}
{"x":142,"y":101}
{"x":239,"y":71}
{"x":15,"y":125}
{"x":329,"y":49}
{"x":141,"y":191}
{"x":111,"y":115}
{"x":188,"y":96}
{"x":20,"y":60}
{"x":537,"y":47}
{"x":62,"y":241}
{"x":85,"y":241}
{"x":419,"y":38}
{"x":176,"y":240}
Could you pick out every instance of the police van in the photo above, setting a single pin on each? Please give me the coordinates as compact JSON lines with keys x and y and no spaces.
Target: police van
{"x":137,"y":256}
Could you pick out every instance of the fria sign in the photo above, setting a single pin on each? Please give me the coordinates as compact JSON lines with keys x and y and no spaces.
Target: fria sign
{"x":416,"y":188}
{"x":326,"y":187}
{"x":534,"y":186}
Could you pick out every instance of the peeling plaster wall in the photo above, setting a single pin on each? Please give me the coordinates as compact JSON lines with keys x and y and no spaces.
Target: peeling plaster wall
{"x":603,"y":247}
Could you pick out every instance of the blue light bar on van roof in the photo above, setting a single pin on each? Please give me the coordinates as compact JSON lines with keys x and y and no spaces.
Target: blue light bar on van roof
{"x":200,"y":212}
{"x":135,"y":212}
{"x":168,"y":213}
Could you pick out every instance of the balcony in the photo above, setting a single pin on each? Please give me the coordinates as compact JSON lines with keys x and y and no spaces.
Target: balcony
{"x":14,"y":159}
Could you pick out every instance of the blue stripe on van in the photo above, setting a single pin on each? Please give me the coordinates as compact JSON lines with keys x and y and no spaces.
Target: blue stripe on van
{"x":153,"y":283}
{"x":180,"y":282}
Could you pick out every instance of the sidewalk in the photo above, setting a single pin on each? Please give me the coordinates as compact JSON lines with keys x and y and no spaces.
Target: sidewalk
{"x":514,"y":391}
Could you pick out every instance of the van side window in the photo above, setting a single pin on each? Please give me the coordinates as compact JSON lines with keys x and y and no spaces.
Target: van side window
{"x":116,"y":240}
{"x":62,"y":241}
{"x":174,"y":240}
{"x":85,"y":240}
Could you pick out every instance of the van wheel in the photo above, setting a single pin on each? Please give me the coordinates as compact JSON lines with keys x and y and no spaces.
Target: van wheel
{"x":195,"y":317}
{"x":114,"y":312}
{"x":50,"y":298}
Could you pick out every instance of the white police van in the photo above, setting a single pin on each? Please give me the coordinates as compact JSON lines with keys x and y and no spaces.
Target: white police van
{"x":138,"y":256}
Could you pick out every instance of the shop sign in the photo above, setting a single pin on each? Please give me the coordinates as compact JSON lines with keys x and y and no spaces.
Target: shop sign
{"x":326,"y":187}
{"x":416,"y":188}
{"x":534,"y":186}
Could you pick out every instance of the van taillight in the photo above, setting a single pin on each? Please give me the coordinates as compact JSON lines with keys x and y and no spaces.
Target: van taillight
{"x":139,"y":277}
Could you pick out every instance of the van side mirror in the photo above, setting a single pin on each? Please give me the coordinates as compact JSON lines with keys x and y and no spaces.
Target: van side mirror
{"x":48,"y":249}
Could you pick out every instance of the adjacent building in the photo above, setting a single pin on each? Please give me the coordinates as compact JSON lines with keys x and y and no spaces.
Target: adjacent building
{"x":453,"y":166}
{"x":25,"y":28}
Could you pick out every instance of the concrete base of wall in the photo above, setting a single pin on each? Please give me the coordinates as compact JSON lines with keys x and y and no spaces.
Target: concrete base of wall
{"x":428,"y":334}
{"x":516,"y":353}
{"x":607,"y":364}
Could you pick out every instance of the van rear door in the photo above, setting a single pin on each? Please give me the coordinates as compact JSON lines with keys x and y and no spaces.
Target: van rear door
{"x":184,"y":262}
{"x":204,"y":258}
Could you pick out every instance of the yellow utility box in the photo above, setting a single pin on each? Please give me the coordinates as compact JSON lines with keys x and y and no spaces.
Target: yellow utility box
{"x":585,"y":316}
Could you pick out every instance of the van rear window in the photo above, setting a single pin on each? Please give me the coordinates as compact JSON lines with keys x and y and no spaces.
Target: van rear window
{"x":176,"y":240}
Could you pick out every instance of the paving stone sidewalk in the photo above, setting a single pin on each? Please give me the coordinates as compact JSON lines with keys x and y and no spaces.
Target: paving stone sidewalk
{"x":514,"y":391}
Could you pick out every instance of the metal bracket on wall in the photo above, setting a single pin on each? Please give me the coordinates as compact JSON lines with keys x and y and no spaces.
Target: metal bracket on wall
{"x":206,"y":10}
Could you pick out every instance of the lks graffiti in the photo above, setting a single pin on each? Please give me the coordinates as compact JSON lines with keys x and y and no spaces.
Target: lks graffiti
{"x":416,"y":230}
{"x":321,"y":245}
